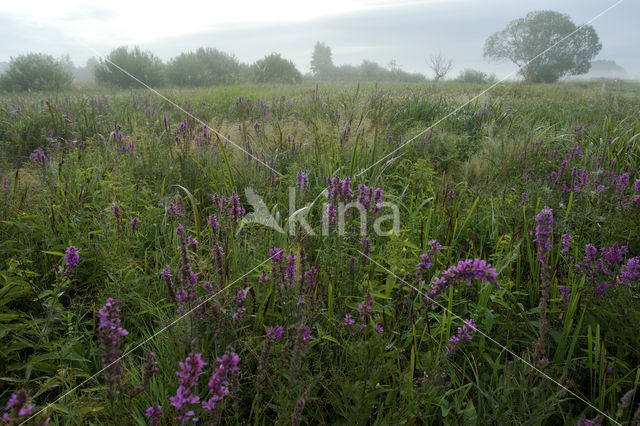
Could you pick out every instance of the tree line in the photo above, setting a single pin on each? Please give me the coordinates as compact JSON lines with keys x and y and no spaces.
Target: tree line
{"x":535,"y":43}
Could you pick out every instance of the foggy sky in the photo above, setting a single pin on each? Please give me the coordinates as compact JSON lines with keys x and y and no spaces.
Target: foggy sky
{"x":407,"y":33}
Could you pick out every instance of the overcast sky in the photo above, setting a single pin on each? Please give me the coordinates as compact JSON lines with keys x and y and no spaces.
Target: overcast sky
{"x":407,"y":32}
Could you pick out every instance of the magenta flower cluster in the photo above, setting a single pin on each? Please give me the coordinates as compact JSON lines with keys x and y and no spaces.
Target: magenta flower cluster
{"x":218,"y":384}
{"x":544,"y":230}
{"x":283,"y":268}
{"x":110,"y":336}
{"x":188,"y":374}
{"x":71,"y":259}
{"x":370,"y":198}
{"x":604,"y":268}
{"x":465,"y":270}
{"x":464,"y":334}
{"x":302,"y":181}
{"x":338,"y":190}
{"x":426,"y":259}
{"x":18,"y":410}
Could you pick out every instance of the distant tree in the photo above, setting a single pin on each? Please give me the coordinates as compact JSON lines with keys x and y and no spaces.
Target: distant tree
{"x":204,"y":67}
{"x":606,"y":69}
{"x":143,"y":65}
{"x":321,"y":62}
{"x":275,"y":69}
{"x":526,"y":38}
{"x":440,"y":66}
{"x":475,"y":76}
{"x":36,"y":71}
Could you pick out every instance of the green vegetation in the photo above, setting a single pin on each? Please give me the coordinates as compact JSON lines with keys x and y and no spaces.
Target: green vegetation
{"x":372,"y":332}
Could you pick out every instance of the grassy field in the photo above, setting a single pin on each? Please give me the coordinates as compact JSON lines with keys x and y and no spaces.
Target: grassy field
{"x":507,"y":291}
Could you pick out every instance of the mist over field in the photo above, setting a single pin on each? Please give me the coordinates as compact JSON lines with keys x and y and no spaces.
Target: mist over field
{"x":355,"y":212}
{"x":406,"y":32}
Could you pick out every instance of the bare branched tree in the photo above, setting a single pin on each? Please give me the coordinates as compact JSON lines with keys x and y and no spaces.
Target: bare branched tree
{"x":439,"y":65}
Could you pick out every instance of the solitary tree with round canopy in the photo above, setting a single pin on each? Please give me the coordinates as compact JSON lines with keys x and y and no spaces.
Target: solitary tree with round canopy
{"x":529,"y":43}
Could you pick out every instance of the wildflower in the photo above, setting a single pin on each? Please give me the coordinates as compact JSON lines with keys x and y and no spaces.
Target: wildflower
{"x":566,"y":243}
{"x":134,"y":224}
{"x":218,"y":384}
{"x":464,"y":333}
{"x":348,"y":320}
{"x":18,"y":412}
{"x":192,"y":242}
{"x":378,"y":328}
{"x":302,"y":181}
{"x":565,"y":292}
{"x":525,"y":195}
{"x":213,"y":222}
{"x":352,"y":264}
{"x":364,"y":308}
{"x":166,"y":276}
{"x":5,"y":185}
{"x":154,"y":413}
{"x":290,"y":271}
{"x":188,"y":374}
{"x":110,"y":335}
{"x":465,"y":270}
{"x":426,"y":259}
{"x":176,"y":210}
{"x":71,"y":259}
{"x":275,"y":333}
{"x":544,"y":228}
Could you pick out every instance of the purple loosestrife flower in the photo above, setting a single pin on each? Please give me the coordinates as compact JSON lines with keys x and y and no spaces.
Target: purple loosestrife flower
{"x":464,"y":333}
{"x":166,"y":276}
{"x":426,"y":259}
{"x":544,"y":229}
{"x":188,"y":374}
{"x":18,"y":411}
{"x":5,"y":185}
{"x":630,"y":272}
{"x":218,"y":384}
{"x":600,"y":271}
{"x":275,"y":333}
{"x":154,"y":413}
{"x":378,"y":328}
{"x":110,"y":336}
{"x":213,"y":222}
{"x":348,"y":320}
{"x":192,"y":242}
{"x":71,"y":259}
{"x":115,"y":209}
{"x":365,"y":244}
{"x":290,"y":271}
{"x":236,"y":211}
{"x":566,"y":243}
{"x":525,"y":196}
{"x":176,"y":210}
{"x":465,"y":270}
{"x":565,"y":292}
{"x":302,"y":181}
{"x":622,"y":182}
{"x":134,"y":224}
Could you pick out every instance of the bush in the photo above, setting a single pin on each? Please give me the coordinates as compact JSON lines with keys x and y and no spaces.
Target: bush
{"x":475,"y":76}
{"x":275,"y":69}
{"x":35,"y":71}
{"x":143,"y":65}
{"x":205,"y":67}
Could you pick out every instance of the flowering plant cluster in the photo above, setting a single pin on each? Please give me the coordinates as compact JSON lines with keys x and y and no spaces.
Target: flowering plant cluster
{"x":465,"y":270}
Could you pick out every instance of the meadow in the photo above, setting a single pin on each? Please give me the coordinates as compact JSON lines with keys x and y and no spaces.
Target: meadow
{"x":134,"y":288}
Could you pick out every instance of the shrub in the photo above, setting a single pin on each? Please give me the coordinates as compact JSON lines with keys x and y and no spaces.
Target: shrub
{"x":204,"y":67}
{"x":274,"y":68}
{"x":475,"y":76}
{"x":143,"y":65}
{"x":35,"y":71}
